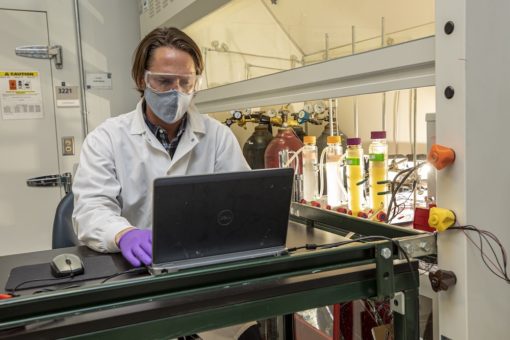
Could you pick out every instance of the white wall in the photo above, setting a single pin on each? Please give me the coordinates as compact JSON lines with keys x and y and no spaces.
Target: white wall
{"x":110,"y":31}
{"x":244,"y":26}
{"x":297,"y":29}
{"x":487,"y":162}
{"x":110,"y":34}
{"x":474,"y":61}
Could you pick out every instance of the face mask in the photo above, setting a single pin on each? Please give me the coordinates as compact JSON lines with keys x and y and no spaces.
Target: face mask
{"x":168,"y":106}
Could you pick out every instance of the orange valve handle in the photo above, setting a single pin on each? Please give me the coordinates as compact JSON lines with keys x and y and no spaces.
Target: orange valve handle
{"x":441,"y":156}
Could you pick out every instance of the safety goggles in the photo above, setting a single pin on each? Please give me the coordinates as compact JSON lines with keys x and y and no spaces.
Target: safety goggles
{"x":165,"y":82}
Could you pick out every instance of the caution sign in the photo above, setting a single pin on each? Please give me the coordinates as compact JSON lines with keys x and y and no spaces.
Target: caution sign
{"x":20,"y":95}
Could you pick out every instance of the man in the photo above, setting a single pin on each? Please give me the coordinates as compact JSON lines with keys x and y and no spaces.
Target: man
{"x":165,"y":135}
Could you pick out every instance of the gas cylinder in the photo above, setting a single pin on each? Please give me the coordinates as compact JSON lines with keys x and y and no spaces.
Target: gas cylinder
{"x":300,"y":132}
{"x":285,"y":140}
{"x":322,"y":140}
{"x":255,"y":146}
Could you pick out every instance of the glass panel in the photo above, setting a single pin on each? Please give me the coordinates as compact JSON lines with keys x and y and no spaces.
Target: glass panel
{"x":406,"y":122}
{"x":250,"y":38}
{"x":426,"y":318}
{"x":358,"y":319}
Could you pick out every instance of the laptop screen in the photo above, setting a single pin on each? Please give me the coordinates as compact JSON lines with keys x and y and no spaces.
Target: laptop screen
{"x":208,"y":215}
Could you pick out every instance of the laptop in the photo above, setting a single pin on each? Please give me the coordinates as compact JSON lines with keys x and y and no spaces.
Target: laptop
{"x":215,"y":218}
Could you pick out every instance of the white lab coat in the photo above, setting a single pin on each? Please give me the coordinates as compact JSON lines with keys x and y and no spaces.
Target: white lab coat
{"x":120,"y":160}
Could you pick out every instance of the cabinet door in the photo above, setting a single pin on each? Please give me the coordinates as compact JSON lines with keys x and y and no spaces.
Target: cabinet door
{"x":28,"y":142}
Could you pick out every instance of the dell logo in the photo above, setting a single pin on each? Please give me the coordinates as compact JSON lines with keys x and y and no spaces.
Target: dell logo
{"x":225,"y":217}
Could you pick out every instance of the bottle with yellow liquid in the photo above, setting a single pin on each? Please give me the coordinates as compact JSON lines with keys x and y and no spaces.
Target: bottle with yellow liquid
{"x":335,"y":172}
{"x":378,"y":171}
{"x":310,"y":187}
{"x":354,"y":164}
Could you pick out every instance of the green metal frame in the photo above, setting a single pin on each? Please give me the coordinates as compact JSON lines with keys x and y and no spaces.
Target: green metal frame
{"x":211,"y":297}
{"x":341,"y":223}
{"x":255,"y":310}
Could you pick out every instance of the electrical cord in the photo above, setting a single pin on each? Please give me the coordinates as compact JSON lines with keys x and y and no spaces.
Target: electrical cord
{"x":395,"y":190}
{"x":69,"y":277}
{"x":44,"y":290}
{"x":139,"y":270}
{"x":13,"y":291}
{"x":401,"y":207}
{"x":313,"y":246}
{"x":499,"y":269}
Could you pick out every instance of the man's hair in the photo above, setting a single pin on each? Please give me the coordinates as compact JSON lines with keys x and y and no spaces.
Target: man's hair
{"x":163,"y":37}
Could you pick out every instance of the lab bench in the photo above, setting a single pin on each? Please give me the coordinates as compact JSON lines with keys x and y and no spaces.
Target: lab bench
{"x":200,"y":299}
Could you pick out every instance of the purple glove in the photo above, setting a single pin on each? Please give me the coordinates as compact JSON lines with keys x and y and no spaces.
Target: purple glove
{"x":136,"y":247}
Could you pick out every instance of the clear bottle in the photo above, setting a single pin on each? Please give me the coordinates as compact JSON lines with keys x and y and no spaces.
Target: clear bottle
{"x":310,"y":187}
{"x":285,"y":139}
{"x":354,"y":164}
{"x":378,"y":170}
{"x":335,"y":172}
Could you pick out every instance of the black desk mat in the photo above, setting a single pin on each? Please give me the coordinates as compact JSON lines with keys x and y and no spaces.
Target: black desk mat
{"x":95,"y":267}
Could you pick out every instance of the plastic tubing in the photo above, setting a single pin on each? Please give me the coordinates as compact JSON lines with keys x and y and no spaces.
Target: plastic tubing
{"x":321,"y":171}
{"x":291,"y":159}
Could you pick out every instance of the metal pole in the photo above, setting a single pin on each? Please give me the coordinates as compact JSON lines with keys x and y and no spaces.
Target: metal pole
{"x":84,"y":111}
{"x":247,"y":70}
{"x":382,"y":31}
{"x":335,"y":47}
{"x":411,"y":120}
{"x":407,"y":325}
{"x":326,"y":42}
{"x":336,"y":116}
{"x":415,"y":109}
{"x":384,"y":111}
{"x":353,"y":39}
{"x":205,"y":67}
{"x":356,"y":116}
{"x":396,"y":101}
{"x":415,"y":114}
{"x":384,"y":93}
{"x":251,"y":54}
{"x":331,"y":131}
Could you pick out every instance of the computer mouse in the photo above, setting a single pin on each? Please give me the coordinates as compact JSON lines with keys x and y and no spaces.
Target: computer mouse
{"x":66,"y":265}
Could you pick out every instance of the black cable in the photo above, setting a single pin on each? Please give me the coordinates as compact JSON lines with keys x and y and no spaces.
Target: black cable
{"x":13,"y":291}
{"x":484,"y":256}
{"x":481,"y":235}
{"x":312,"y":246}
{"x":408,"y":172}
{"x":502,"y":268}
{"x":139,"y":270}
{"x":44,"y":290}
{"x":394,"y":190}
{"x":70,"y":276}
{"x":485,"y":235}
{"x":398,"y":206}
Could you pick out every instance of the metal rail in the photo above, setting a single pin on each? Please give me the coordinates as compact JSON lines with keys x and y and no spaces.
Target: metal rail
{"x":173,"y":304}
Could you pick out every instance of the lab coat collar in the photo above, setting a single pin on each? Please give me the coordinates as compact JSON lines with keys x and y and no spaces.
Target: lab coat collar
{"x":195,"y":120}
{"x":138,"y":125}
